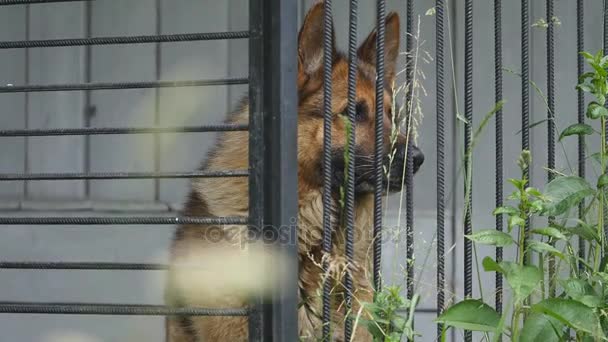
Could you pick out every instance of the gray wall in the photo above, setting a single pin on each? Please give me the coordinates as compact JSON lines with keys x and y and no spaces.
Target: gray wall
{"x":191,"y":106}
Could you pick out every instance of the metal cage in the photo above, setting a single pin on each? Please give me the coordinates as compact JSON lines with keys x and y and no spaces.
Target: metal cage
{"x":272,"y":150}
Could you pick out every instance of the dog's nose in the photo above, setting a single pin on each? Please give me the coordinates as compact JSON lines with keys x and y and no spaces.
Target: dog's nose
{"x":418,"y":158}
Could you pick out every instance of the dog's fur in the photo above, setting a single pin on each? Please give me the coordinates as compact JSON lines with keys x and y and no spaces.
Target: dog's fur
{"x":229,"y":196}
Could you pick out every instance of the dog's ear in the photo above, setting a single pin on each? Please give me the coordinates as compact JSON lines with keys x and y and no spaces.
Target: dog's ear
{"x":310,"y":40}
{"x":367,"y":50}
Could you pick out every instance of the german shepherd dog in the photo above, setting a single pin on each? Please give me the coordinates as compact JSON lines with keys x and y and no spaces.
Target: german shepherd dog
{"x":229,"y":197}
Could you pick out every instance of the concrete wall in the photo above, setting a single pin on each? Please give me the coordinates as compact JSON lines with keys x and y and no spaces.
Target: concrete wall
{"x":191,"y":106}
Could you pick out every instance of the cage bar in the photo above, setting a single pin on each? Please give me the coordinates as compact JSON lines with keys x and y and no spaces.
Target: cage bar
{"x":605,"y":48}
{"x":327,"y":165}
{"x":157,"y":102}
{"x":273,"y":57}
{"x":111,"y":309}
{"x":379,"y":142}
{"x":468,"y":188}
{"x":121,"y":85}
{"x":440,"y":108}
{"x":550,"y":118}
{"x":145,"y":220}
{"x":83,"y":266}
{"x":120,"y":175}
{"x":120,"y":130}
{"x":350,"y":184}
{"x":409,"y":174}
{"x":119,"y":40}
{"x":525,"y":94}
{"x":499,"y":141}
{"x":27,"y":2}
{"x":580,"y":67}
{"x":90,"y":266}
{"x":256,"y":319}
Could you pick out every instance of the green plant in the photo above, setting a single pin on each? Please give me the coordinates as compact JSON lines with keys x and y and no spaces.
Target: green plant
{"x":579,"y":308}
{"x":391,"y":315}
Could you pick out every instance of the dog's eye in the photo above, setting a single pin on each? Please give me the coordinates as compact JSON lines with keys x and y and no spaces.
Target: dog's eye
{"x":360,"y":112}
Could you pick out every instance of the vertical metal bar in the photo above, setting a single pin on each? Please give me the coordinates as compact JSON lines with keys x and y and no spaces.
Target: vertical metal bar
{"x":281,"y":164}
{"x":499,"y":141}
{"x":525,"y":91}
{"x":550,"y":90}
{"x":88,"y":107}
{"x":379,"y":141}
{"x":26,"y":103}
{"x":256,"y":148}
{"x":468,"y":110}
{"x":580,"y":46}
{"x":605,"y":43}
{"x":550,"y":115}
{"x":274,"y":115}
{"x":327,"y":169}
{"x":409,"y":175}
{"x":440,"y":85}
{"x":606,"y":125}
{"x":350,"y":186}
{"x":157,"y":137}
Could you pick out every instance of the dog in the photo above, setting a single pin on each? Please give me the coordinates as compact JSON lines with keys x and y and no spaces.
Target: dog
{"x":229,"y":197}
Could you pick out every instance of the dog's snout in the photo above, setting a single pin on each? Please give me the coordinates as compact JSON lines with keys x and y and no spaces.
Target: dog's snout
{"x":416,"y":153}
{"x":418,"y":158}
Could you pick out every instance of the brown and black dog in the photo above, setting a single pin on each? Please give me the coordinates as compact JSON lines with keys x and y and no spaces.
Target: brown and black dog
{"x":229,"y":197}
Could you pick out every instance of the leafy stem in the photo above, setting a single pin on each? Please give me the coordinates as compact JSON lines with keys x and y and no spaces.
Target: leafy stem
{"x":581,"y":304}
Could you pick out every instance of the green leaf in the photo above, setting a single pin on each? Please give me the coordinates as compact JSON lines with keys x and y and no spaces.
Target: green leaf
{"x":563,"y":193}
{"x":517,"y":183}
{"x":601,"y":99}
{"x":489,"y":265}
{"x":598,"y":56}
{"x":585,"y":76}
{"x":573,"y":313}
{"x":598,"y":68}
{"x":506,"y":210}
{"x":542,"y":247}
{"x":534,"y":192}
{"x":576,"y":129}
{"x":515,"y":195}
{"x":536,"y":206}
{"x":516,"y":221}
{"x":584,"y":230}
{"x":587,"y":55}
{"x":600,"y":276}
{"x":602,"y":181}
{"x":491,"y":237}
{"x":550,"y":232}
{"x":372,"y":327}
{"x":585,"y":87}
{"x":596,"y":111}
{"x":581,"y":291}
{"x":597,"y":157}
{"x":534,"y":125}
{"x":470,"y":314}
{"x":538,"y":327}
{"x":522,"y":279}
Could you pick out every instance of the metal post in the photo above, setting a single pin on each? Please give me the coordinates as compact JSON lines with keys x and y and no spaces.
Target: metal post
{"x":273,"y":157}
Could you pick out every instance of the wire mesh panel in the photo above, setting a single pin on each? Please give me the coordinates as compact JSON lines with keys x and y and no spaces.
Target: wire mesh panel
{"x":271,"y":162}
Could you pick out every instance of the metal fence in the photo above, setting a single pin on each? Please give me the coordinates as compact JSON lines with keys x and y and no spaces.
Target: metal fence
{"x":272,"y":172}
